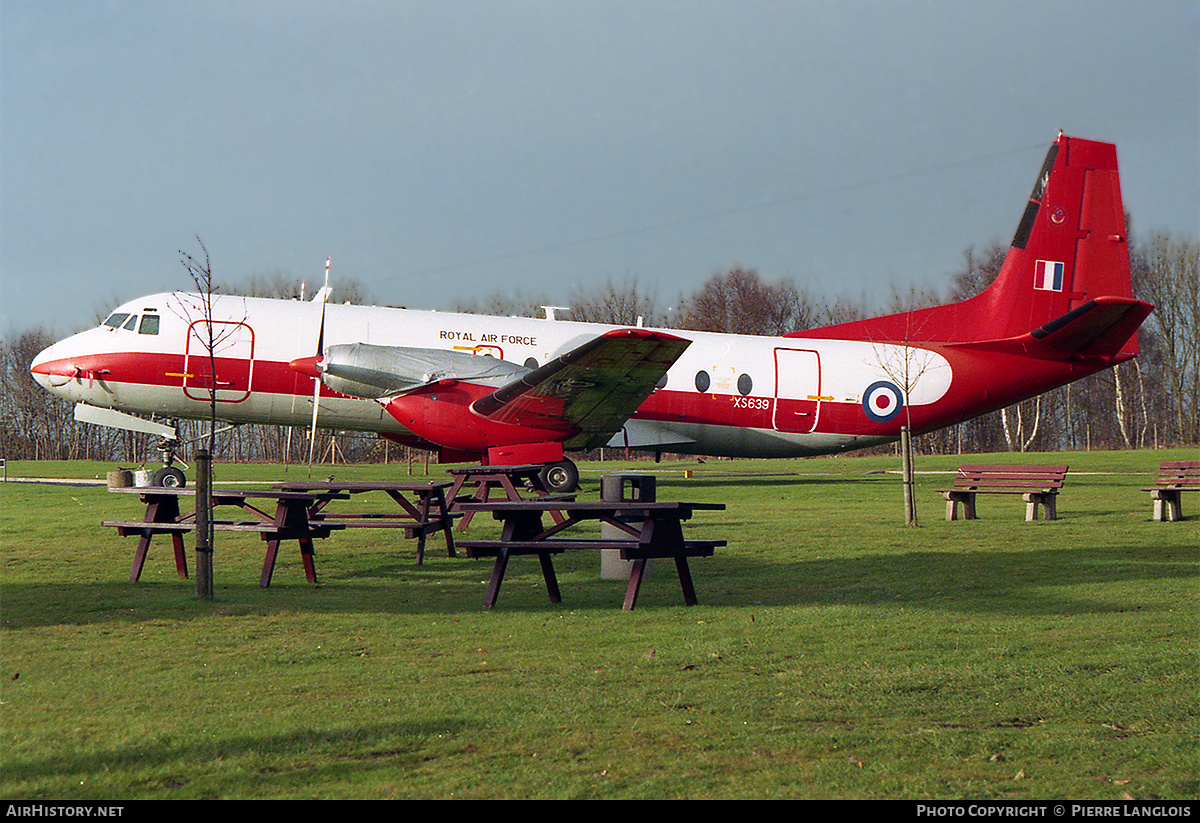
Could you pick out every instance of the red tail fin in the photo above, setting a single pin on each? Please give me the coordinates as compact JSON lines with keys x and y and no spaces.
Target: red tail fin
{"x":1069,"y":249}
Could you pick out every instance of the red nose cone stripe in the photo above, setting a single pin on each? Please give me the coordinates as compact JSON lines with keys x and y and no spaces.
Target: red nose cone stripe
{"x":307,"y":366}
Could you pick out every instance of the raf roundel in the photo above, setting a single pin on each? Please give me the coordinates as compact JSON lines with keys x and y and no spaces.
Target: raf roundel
{"x":882,"y":401}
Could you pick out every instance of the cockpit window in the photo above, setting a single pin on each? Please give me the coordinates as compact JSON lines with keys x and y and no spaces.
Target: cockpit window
{"x":116,"y":319}
{"x":149,"y":324}
{"x":131,"y":323}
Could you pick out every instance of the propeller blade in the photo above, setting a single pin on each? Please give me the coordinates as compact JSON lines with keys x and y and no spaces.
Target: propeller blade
{"x":312,"y":435}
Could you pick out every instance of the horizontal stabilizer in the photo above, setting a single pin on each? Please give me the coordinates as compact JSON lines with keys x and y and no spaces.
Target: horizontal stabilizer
{"x":594,"y":388}
{"x":1104,"y":327}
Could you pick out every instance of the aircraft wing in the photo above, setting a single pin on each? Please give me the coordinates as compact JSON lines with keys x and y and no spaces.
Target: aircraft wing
{"x":593,"y":389}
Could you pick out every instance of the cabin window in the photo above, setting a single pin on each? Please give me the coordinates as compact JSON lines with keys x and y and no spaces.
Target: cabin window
{"x":116,"y":319}
{"x":149,"y":324}
{"x":702,"y":381}
{"x":745,"y":384}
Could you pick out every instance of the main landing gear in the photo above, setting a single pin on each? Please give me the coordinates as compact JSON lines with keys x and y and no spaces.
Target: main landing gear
{"x":559,"y":478}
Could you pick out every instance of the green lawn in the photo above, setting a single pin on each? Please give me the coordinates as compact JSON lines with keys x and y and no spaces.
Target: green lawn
{"x":835,"y":653}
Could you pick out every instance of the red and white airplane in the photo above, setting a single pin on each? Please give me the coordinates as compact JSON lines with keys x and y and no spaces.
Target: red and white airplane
{"x":507,"y":390}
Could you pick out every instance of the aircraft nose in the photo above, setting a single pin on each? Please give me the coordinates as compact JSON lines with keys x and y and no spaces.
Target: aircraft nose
{"x":308,"y":366}
{"x":49,"y":369}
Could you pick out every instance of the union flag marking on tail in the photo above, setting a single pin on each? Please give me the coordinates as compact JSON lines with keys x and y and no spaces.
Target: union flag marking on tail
{"x":1048,"y":275}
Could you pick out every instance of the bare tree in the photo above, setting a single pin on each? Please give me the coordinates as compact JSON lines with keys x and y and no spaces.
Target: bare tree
{"x":624,"y":304}
{"x":1170,"y":280}
{"x":739,"y":302}
{"x":201,"y":274}
{"x":905,"y":364}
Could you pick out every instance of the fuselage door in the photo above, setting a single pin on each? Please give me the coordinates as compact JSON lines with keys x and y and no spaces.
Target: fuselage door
{"x":797,"y":390}
{"x":232,"y":345}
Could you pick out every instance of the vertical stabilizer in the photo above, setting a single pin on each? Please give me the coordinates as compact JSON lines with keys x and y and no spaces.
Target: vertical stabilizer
{"x":1070,"y":247}
{"x":1069,"y":250}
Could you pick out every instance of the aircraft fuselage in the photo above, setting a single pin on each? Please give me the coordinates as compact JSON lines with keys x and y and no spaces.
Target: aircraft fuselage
{"x":726,"y":395}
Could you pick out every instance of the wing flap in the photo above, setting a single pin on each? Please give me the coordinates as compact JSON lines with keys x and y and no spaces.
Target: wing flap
{"x":592,"y":389}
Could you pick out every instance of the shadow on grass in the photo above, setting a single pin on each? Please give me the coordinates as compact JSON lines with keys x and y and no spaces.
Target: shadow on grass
{"x":1051,"y":581}
{"x":391,"y":742}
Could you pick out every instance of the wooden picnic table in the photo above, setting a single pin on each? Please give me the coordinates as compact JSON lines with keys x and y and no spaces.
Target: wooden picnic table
{"x":653,"y":529}
{"x":424,"y":509}
{"x":275,"y":515}
{"x":514,"y":483}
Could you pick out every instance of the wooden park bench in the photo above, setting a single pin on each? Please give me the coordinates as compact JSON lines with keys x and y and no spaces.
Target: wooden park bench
{"x":1174,"y":478}
{"x":1037,"y":485}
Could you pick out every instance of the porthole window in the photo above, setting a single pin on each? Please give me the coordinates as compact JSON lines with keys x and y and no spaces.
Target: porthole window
{"x":531,"y":363}
{"x":702,"y":381}
{"x":745,"y":385}
{"x":662,"y":383}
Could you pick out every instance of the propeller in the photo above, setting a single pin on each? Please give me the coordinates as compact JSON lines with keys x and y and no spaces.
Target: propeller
{"x":312,"y":435}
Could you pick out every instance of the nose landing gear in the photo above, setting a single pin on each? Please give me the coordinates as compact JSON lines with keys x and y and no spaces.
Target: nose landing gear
{"x":169,"y":476}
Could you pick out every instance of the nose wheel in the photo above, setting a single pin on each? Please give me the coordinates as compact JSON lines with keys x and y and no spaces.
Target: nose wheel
{"x":169,"y":476}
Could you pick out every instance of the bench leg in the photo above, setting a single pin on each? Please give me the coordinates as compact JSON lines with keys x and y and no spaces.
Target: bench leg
{"x":1031,"y":507}
{"x":493,"y":589}
{"x":268,"y":564}
{"x":307,"y":557}
{"x":420,"y":546}
{"x":551,"y":578}
{"x":1046,"y":501}
{"x":637,"y":571}
{"x":967,"y":499}
{"x":1168,"y":505}
{"x":180,"y":556}
{"x":685,"y":580}
{"x":139,"y":557}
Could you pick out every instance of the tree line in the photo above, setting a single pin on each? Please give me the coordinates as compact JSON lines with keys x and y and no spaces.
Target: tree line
{"x":1149,"y":402}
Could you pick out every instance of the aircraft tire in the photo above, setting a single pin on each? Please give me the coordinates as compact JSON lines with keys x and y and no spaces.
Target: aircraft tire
{"x":169,"y":477}
{"x":560,"y":478}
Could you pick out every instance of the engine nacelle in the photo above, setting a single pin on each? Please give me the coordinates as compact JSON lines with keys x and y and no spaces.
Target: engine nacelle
{"x":442,"y":415}
{"x":374,"y":372}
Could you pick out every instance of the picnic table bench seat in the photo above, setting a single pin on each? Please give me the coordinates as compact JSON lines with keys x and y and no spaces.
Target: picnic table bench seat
{"x":1174,"y":478}
{"x":1037,"y":485}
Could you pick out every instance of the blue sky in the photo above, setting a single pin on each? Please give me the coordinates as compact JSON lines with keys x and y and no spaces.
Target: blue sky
{"x":441,"y":152}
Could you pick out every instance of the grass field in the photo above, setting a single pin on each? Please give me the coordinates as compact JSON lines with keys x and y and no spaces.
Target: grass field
{"x":835,"y":652}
